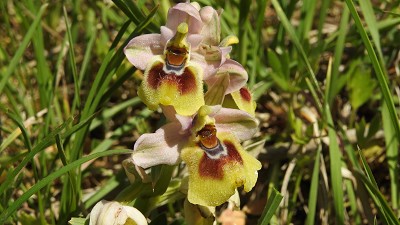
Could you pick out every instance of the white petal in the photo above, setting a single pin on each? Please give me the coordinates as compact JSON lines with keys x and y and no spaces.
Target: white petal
{"x":161,"y":147}
{"x":135,"y":215}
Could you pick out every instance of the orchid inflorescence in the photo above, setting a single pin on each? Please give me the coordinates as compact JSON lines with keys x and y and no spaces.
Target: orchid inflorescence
{"x":188,"y":73}
{"x":201,"y":132}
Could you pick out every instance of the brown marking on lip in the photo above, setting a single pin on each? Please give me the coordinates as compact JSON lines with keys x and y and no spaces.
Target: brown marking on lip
{"x":186,"y":82}
{"x":176,"y":56}
{"x":213,"y":168}
{"x":208,"y":136}
{"x":245,"y":93}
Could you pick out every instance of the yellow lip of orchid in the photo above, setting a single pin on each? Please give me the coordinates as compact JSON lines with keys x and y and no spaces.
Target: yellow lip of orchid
{"x":215,"y":173}
{"x":184,"y":92}
{"x":172,"y":79}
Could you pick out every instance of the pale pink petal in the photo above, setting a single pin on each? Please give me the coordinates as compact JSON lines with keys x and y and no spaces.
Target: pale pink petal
{"x":171,"y":115}
{"x":237,"y":75}
{"x":169,"y":112}
{"x":185,"y":12}
{"x":166,"y":34}
{"x":214,"y":110}
{"x":161,"y":147}
{"x":210,"y":67}
{"x":210,"y":58}
{"x":211,"y":29}
{"x":186,"y":123}
{"x":142,"y":48}
{"x":195,"y":40}
{"x":225,"y":51}
{"x":236,"y":121}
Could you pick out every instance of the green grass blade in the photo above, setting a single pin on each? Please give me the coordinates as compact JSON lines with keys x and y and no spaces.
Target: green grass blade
{"x":313,"y":196}
{"x":242,"y":32}
{"x":339,"y":47}
{"x":15,"y":133}
{"x":71,"y":49}
{"x":313,"y":84}
{"x":335,"y":156}
{"x":306,"y":23}
{"x":369,"y":175}
{"x":87,"y":108}
{"x":323,"y":11}
{"x":392,"y":156}
{"x":43,"y":74}
{"x":78,"y":126}
{"x":88,"y":51}
{"x":354,"y":206}
{"x":380,"y":73}
{"x":390,"y":133}
{"x":136,"y":18}
{"x":45,"y":181}
{"x":109,"y":186}
{"x":39,"y":147}
{"x":117,"y":84}
{"x":368,"y":11}
{"x":371,"y":183}
{"x":21,"y":126}
{"x":24,"y":44}
{"x":270,"y":208}
{"x":335,"y":164}
{"x":109,"y":113}
{"x":378,"y":198}
{"x":133,"y":12}
{"x":257,"y":50}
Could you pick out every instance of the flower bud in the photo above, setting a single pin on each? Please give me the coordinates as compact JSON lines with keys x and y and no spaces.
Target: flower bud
{"x":105,"y":212}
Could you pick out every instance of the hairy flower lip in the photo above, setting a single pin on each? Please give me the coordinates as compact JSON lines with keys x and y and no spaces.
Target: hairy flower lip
{"x":181,"y":88}
{"x":184,"y":79}
{"x":224,"y":173}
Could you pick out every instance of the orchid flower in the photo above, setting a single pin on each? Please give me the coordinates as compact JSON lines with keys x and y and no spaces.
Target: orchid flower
{"x":216,"y":159}
{"x":213,"y":54}
{"x":140,"y":50}
{"x":209,"y":143}
{"x":187,"y":51}
{"x":105,"y":212}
